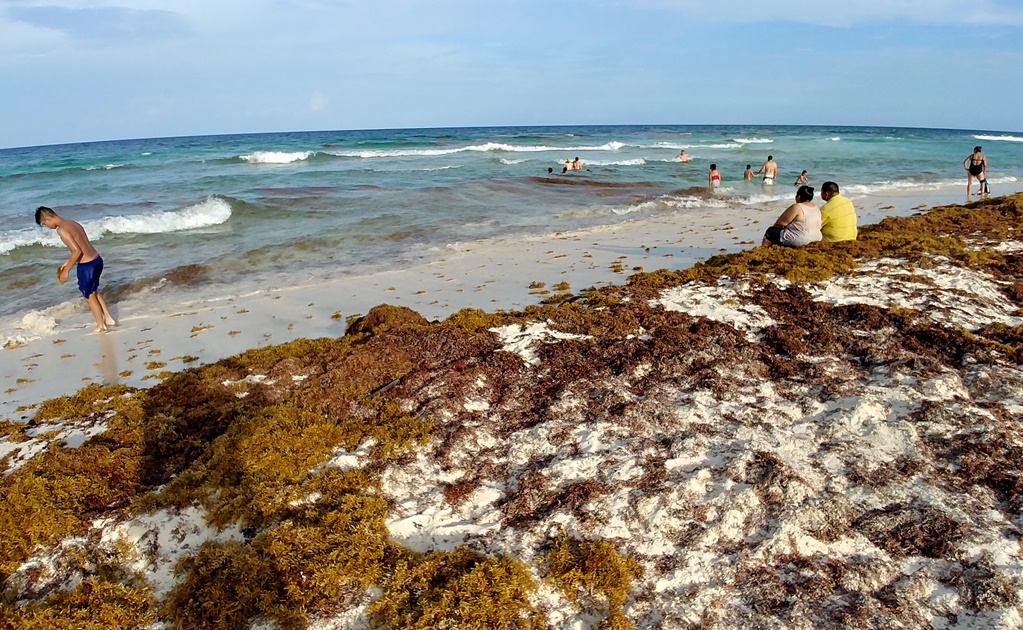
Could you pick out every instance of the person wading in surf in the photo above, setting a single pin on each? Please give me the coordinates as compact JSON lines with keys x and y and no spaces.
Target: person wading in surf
{"x":88,"y":263}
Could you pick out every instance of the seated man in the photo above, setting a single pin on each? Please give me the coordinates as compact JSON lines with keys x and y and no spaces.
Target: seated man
{"x":838,"y":217}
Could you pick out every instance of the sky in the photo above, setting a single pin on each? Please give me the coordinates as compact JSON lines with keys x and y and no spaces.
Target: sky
{"x":82,"y":70}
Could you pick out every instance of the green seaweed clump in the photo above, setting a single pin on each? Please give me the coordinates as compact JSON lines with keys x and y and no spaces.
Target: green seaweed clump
{"x":457,"y":589}
{"x":51,"y":496}
{"x":259,"y":466}
{"x":252,"y":471}
{"x":93,"y":605}
{"x":395,"y":432}
{"x":331,"y":548}
{"x":812,"y":263}
{"x":596,"y":570}
{"x":473,"y":319}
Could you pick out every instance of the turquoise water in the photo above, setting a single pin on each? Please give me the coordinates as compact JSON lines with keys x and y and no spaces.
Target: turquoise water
{"x":220,"y":212}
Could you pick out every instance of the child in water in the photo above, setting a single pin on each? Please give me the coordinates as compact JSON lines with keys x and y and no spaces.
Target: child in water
{"x":714,"y":177}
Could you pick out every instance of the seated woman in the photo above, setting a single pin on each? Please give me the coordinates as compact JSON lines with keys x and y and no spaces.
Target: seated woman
{"x":799,"y":225}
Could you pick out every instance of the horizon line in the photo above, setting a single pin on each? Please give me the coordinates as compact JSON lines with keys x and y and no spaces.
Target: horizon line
{"x":518,"y":126}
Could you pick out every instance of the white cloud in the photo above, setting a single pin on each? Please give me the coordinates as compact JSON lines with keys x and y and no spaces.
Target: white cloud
{"x":318,"y":102}
{"x":101,"y":23}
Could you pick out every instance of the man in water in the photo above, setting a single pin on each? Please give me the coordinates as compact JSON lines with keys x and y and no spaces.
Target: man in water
{"x":838,"y":217}
{"x":88,"y":261}
{"x":684,"y":157}
{"x":577,"y":164}
{"x":770,"y":170}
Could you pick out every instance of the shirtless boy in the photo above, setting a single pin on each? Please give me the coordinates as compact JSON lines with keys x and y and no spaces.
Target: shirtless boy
{"x":88,"y":261}
{"x":769,"y":169}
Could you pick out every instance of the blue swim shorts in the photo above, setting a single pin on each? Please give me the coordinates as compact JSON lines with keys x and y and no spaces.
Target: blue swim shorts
{"x":88,"y":276}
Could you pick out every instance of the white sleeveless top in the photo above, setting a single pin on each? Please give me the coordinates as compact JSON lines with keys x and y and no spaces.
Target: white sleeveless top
{"x":803,"y":232}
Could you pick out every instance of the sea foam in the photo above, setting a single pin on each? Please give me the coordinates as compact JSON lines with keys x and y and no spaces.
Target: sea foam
{"x":1000,"y":138}
{"x":276,"y":157}
{"x":211,"y":211}
{"x":477,"y":148}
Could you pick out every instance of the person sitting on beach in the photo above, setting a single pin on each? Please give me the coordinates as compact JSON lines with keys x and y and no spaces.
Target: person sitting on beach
{"x":714,"y":177}
{"x":799,"y":225}
{"x":577,"y":164}
{"x":748,"y":175}
{"x":684,"y":157}
{"x":770,"y":170}
{"x":88,"y":263}
{"x":838,"y":217}
{"x":803,"y":180}
{"x":976,"y":167}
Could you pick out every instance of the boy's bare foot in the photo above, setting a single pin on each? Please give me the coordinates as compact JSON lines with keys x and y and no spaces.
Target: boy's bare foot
{"x":110,"y":321}
{"x":99,"y":329}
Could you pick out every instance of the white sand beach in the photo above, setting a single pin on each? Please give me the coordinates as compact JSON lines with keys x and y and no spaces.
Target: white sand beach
{"x":754,"y":476}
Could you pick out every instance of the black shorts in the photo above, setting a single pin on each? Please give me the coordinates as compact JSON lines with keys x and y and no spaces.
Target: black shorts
{"x":773,"y":234}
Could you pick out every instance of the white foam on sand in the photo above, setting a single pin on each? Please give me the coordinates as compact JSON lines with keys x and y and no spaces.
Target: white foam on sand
{"x":524,"y":339}
{"x":949,"y":294}
{"x":149,"y":545}
{"x":66,"y":434}
{"x":721,"y":303}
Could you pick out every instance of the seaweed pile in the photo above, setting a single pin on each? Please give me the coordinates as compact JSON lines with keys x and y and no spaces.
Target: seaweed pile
{"x":813,"y":438}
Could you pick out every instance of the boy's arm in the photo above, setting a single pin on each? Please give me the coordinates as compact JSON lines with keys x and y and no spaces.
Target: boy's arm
{"x":76,"y":251}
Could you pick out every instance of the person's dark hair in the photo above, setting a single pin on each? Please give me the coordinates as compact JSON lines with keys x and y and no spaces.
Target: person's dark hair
{"x":830,"y":188}
{"x":803,"y":173}
{"x":43,"y":211}
{"x":805,"y":193}
{"x":976,"y":149}
{"x":770,"y":157}
{"x":713,"y":166}
{"x":749,"y":166}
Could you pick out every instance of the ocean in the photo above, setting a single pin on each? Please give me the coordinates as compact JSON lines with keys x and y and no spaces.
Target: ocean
{"x":218,"y":216}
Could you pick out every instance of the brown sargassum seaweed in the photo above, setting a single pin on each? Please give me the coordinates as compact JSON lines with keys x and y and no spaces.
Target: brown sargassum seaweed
{"x":393,"y":385}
